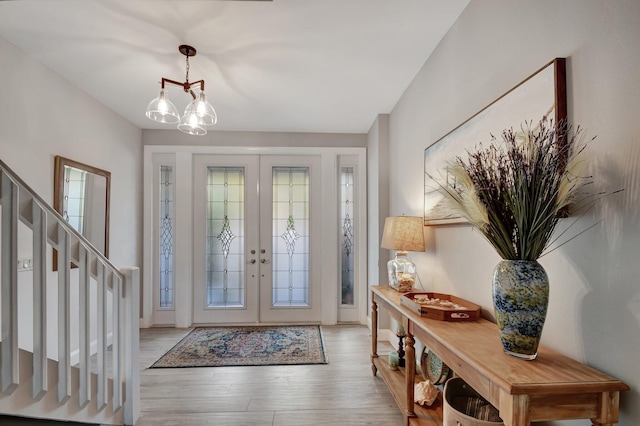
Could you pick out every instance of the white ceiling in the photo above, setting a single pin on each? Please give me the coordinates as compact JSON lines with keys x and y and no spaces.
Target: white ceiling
{"x":286,"y":65}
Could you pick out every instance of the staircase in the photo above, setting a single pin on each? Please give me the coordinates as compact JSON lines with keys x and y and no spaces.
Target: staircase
{"x":98,"y":382}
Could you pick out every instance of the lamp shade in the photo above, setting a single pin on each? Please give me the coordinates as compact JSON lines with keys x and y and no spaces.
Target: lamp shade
{"x":189,"y":122}
{"x":162,"y":110}
{"x":206,"y":114}
{"x":404,"y":233}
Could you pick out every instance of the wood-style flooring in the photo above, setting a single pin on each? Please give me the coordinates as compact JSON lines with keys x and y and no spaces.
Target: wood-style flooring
{"x":343,"y":392}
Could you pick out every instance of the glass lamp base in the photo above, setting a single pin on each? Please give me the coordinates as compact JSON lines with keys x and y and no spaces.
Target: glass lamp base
{"x":402,"y":273}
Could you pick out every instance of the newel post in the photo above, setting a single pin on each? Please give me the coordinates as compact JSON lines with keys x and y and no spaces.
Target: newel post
{"x":131,"y":295}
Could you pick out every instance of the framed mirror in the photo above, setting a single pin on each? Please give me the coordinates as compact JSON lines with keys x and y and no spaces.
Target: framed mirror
{"x":81,"y":196}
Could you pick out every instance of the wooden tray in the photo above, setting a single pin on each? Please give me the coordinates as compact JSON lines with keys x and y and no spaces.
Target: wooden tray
{"x":440,"y":306}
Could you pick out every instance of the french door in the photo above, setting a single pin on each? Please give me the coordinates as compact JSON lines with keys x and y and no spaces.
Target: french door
{"x":255,"y":239}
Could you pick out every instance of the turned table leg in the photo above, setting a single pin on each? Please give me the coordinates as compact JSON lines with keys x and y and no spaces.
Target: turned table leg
{"x":410,"y":371}
{"x":374,"y":334}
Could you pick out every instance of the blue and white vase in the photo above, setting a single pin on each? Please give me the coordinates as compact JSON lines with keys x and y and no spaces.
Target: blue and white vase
{"x":520,"y":301}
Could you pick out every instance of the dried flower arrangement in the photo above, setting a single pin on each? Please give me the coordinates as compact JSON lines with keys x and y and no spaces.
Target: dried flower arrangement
{"x":516,"y":190}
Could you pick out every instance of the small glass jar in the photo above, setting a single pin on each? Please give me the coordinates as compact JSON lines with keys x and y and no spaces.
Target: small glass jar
{"x":402,"y":272}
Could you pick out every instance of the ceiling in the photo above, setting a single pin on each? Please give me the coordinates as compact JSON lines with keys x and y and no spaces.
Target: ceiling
{"x":282,"y":65}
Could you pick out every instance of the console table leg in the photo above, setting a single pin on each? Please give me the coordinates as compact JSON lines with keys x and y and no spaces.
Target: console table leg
{"x":410,"y":371}
{"x":374,"y":334}
{"x":609,"y":405}
{"x":514,"y":409}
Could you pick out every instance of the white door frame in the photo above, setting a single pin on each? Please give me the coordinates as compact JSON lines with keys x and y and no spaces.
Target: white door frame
{"x":184,"y":230}
{"x":353,"y":313}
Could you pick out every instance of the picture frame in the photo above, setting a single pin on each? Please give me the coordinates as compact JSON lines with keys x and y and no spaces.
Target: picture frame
{"x":543,"y":93}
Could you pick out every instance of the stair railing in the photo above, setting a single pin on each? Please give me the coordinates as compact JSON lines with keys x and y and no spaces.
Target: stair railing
{"x":20,"y":203}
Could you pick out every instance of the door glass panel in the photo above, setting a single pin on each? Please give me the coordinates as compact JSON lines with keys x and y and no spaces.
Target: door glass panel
{"x":347,"y":241}
{"x":290,"y":285}
{"x":165,"y":258}
{"x":225,"y":237}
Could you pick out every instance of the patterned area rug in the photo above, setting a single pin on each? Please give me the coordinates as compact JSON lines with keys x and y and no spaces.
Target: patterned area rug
{"x":243,"y":346}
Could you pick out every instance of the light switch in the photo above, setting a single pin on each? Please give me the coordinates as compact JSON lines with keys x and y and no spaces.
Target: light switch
{"x":25,"y":264}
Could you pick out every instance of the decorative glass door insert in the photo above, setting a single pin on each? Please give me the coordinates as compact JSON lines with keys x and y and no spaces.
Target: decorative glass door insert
{"x":225,"y":225}
{"x":290,"y":283}
{"x":347,"y":288}
{"x":166,"y":219}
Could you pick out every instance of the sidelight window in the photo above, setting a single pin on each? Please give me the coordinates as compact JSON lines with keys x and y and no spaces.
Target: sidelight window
{"x":166,"y":232}
{"x":347,"y":235}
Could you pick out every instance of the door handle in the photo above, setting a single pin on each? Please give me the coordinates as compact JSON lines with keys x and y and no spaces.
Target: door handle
{"x":252,"y":261}
{"x":265,"y":261}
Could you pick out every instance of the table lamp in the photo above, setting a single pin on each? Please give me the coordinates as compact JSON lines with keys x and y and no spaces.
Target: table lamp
{"x":403,"y":234}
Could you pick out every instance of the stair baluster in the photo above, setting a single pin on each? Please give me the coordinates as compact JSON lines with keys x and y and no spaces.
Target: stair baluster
{"x":85,"y":331}
{"x":9,"y":373}
{"x":39,"y":219}
{"x":64,"y":341}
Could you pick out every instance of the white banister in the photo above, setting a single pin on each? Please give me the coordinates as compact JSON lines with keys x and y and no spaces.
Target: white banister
{"x":9,"y":372}
{"x":39,"y":221}
{"x":115,"y":305}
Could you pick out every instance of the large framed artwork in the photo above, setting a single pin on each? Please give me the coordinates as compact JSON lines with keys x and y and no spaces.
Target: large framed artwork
{"x":541,"y":94}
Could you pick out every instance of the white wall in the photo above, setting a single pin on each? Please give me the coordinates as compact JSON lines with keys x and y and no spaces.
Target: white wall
{"x":69,"y":123}
{"x":594,"y":313}
{"x":377,"y":197}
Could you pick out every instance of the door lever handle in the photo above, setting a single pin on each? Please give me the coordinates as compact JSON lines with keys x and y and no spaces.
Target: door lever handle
{"x":252,"y":261}
{"x":264,"y":261}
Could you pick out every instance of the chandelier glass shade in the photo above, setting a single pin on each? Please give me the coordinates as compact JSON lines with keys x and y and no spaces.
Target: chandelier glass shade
{"x":199,"y":113}
{"x":162,"y":110}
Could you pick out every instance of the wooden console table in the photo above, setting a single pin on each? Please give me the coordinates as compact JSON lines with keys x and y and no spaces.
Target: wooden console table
{"x":552,"y":387}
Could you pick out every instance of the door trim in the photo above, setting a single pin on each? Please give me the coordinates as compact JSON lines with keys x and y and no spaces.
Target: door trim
{"x":184,"y":186}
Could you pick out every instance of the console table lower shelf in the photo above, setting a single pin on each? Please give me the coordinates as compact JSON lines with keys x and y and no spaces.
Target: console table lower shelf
{"x":396,"y":382}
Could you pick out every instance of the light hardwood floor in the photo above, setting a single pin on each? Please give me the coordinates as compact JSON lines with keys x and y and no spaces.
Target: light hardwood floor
{"x":343,"y":392}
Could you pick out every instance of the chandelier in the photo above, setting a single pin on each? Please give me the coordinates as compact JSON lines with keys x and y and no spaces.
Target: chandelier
{"x":198,"y":114}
